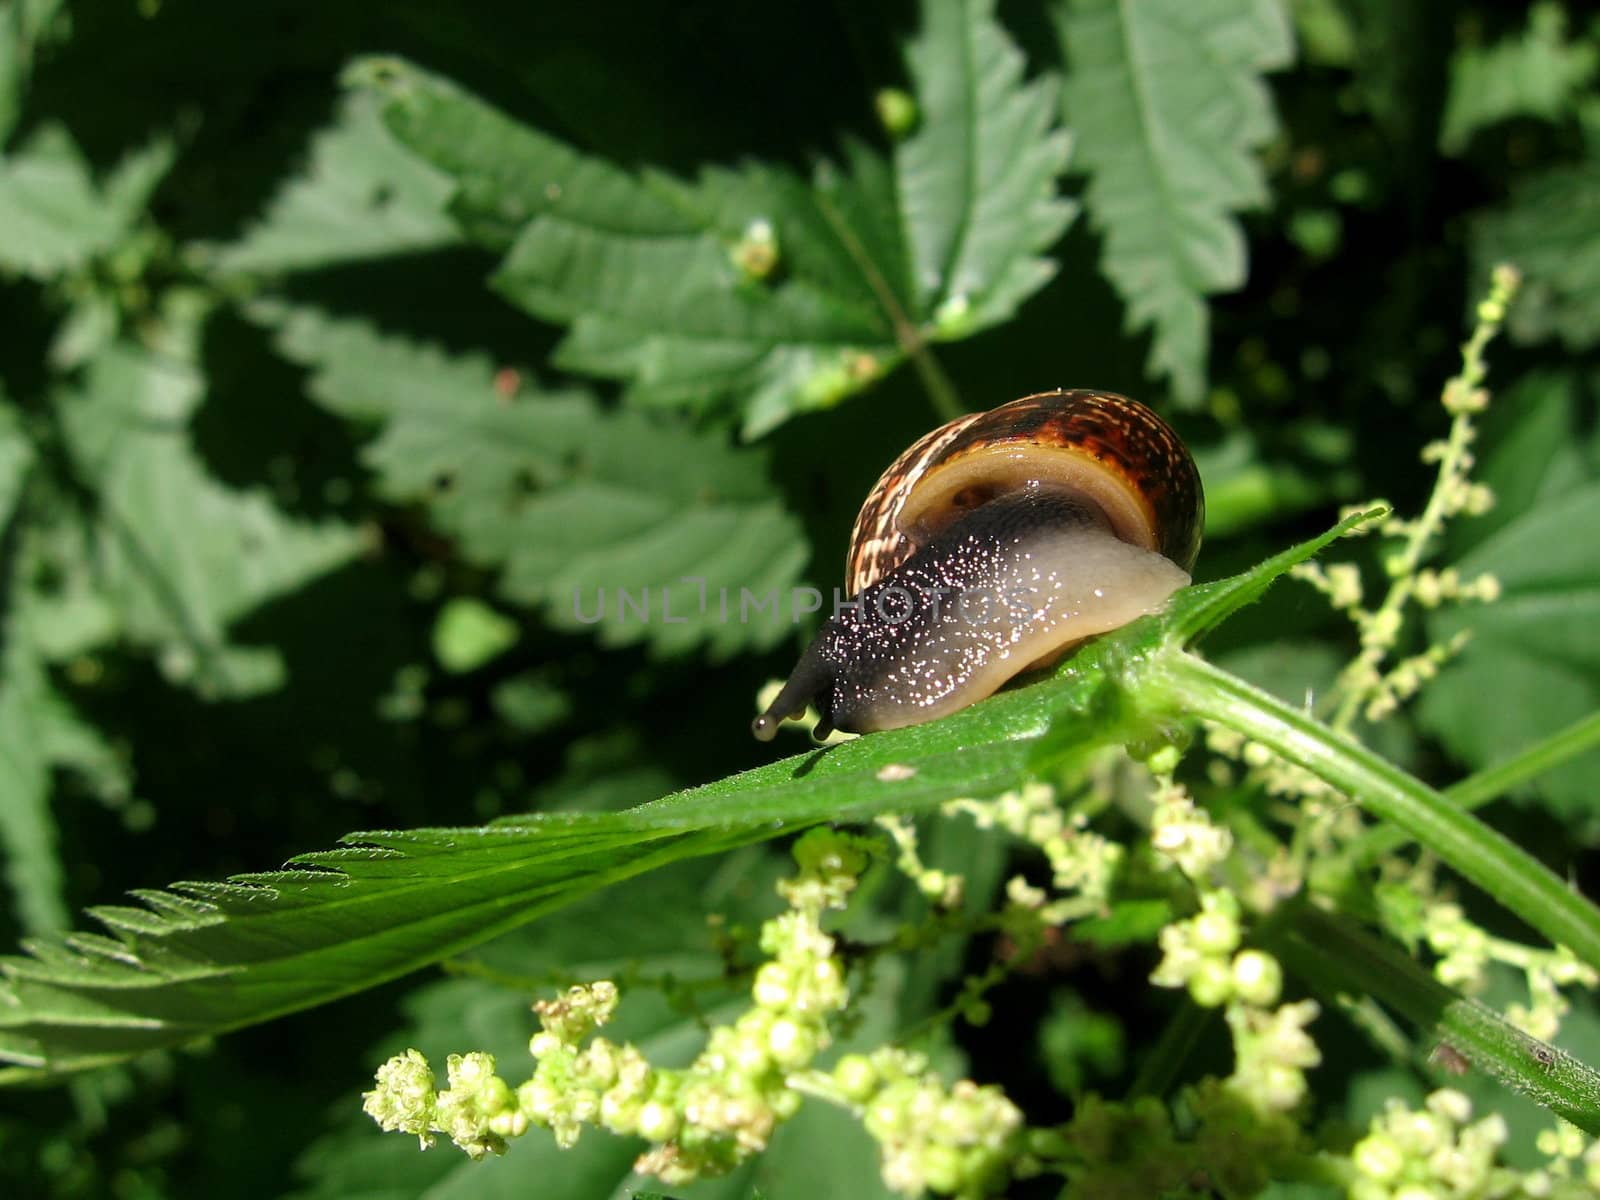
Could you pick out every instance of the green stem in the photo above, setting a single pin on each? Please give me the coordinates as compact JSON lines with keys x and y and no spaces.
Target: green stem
{"x":1171,"y":1051}
{"x":1490,"y":783}
{"x":941,"y":390}
{"x":1506,"y":872}
{"x":1338,"y":957}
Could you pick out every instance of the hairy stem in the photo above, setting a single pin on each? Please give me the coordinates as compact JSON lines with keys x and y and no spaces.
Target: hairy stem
{"x":1338,"y":958}
{"x":1491,"y":783}
{"x":1506,"y":872}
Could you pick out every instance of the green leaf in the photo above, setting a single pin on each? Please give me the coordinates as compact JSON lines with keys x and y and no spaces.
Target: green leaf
{"x":54,"y":217}
{"x":24,"y":26}
{"x":753,"y":283}
{"x":1167,"y":104}
{"x":1325,"y":31}
{"x":1195,"y":610}
{"x":1536,"y":649}
{"x":574,"y":504}
{"x":27,"y":828}
{"x":203,"y":958}
{"x":175,"y":556}
{"x":39,"y":730}
{"x":1536,"y":74}
{"x":1547,"y":230}
{"x":361,"y":195}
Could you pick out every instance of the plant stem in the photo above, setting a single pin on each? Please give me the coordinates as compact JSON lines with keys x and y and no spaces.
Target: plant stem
{"x":941,"y":390}
{"x":1172,"y":1050}
{"x":1490,"y":784}
{"x":1338,"y":957}
{"x":1506,"y":872}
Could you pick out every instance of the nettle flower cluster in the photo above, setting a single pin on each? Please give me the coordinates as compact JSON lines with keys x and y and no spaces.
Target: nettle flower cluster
{"x":706,"y":1119}
{"x":961,"y":1139}
{"x":1439,"y":1153}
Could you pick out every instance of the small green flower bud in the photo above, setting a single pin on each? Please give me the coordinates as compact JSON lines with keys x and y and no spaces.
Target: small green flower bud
{"x":404,"y":1099}
{"x":897,"y":111}
{"x":1422,"y":1133}
{"x":508,"y":1124}
{"x":1165,"y":760}
{"x":755,"y":255}
{"x":1255,"y":754}
{"x":1211,"y":984}
{"x":772,"y":988}
{"x":856,"y":1077}
{"x":827,"y":991}
{"x":790,"y":1043}
{"x":619,"y":1112}
{"x":1216,"y":933}
{"x":1281,"y":1087}
{"x":1379,"y":1157}
{"x":1257,"y":978}
{"x":1451,"y":1105}
{"x":941,"y":1168}
{"x":657,"y":1122}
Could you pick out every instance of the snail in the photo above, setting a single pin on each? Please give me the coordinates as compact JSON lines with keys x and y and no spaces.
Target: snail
{"x":990,"y":548}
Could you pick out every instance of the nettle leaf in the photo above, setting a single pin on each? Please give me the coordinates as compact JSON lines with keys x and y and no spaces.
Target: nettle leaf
{"x":23,"y":27}
{"x":175,"y":557}
{"x":200,"y":959}
{"x":1167,"y":104}
{"x":39,"y":729}
{"x":1547,"y":230}
{"x":361,"y":195}
{"x":53,"y":214}
{"x":203,"y":958}
{"x":39,"y":732}
{"x":1536,"y":649}
{"x":574,"y":504}
{"x":27,"y":828}
{"x":1538,"y":73}
{"x":754,"y":283}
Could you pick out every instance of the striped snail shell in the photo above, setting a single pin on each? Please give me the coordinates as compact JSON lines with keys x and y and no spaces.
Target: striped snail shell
{"x":991,"y":547}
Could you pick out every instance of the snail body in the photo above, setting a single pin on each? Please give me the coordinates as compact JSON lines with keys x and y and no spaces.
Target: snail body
{"x":991,"y":547}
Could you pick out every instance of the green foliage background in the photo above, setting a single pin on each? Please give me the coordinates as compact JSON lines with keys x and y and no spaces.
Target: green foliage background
{"x":343,"y":341}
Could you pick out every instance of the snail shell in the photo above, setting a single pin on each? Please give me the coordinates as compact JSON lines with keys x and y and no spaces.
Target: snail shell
{"x":1067,"y":514}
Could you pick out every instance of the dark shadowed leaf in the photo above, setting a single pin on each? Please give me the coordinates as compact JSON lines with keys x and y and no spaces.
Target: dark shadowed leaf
{"x":574,"y":504}
{"x":753,"y":282}
{"x":1167,"y":105}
